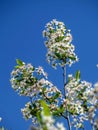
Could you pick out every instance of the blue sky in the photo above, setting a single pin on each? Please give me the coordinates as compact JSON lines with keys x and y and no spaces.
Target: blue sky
{"x":21,"y":26}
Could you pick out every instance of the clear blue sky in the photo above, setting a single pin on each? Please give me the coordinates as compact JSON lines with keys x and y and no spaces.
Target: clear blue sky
{"x":21,"y":25}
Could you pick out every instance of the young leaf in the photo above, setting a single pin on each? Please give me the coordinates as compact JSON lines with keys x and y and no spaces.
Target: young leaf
{"x":39,"y":116}
{"x":72,"y":58}
{"x":77,"y":75}
{"x":19,"y":62}
{"x":45,"y":108}
{"x":56,"y":95}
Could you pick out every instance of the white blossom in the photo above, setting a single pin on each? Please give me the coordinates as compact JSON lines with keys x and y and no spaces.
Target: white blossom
{"x":81,"y":99}
{"x":60,"y":50}
{"x":49,"y":123}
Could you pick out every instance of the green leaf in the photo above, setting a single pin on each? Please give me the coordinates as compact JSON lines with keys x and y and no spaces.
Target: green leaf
{"x":85,"y":105}
{"x":59,"y":38}
{"x":62,"y":109}
{"x":77,"y":75}
{"x":58,"y":55}
{"x":84,"y":89}
{"x":17,"y":67}
{"x":80,"y":93}
{"x":72,"y":57}
{"x":45,"y":108}
{"x":51,"y":31}
{"x":56,"y":95}
{"x":39,"y":116}
{"x":19,"y":62}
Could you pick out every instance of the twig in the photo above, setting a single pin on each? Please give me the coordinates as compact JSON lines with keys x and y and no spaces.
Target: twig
{"x":64,"y":79}
{"x":67,"y":113}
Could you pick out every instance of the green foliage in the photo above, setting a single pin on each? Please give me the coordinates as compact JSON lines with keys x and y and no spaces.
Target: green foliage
{"x":72,"y":110}
{"x":59,"y":111}
{"x":72,"y":57}
{"x":77,"y":75}
{"x":51,"y":31}
{"x":45,"y":108}
{"x":59,"y":38}
{"x":45,"y":111}
{"x":19,"y":62}
{"x":56,"y":96}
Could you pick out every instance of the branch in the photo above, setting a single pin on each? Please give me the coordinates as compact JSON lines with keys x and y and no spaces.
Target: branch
{"x":64,"y":79}
{"x":67,"y":113}
{"x":68,"y":120}
{"x":92,"y":125}
{"x":64,"y":116}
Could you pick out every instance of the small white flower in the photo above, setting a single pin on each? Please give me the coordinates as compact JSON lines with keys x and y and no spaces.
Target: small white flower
{"x":60,"y":126}
{"x":47,"y":119}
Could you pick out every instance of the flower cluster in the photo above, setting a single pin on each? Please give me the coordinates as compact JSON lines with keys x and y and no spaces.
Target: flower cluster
{"x":58,"y":43}
{"x":81,"y":100}
{"x":94,"y":117}
{"x":26,"y":79}
{"x":44,"y":118}
{"x":47,"y":92}
{"x":32,"y":82}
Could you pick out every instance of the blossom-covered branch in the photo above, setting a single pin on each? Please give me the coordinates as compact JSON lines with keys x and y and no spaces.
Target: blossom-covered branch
{"x":79,"y":101}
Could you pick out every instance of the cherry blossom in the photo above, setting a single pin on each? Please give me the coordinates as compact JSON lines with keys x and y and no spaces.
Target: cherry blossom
{"x":58,"y":42}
